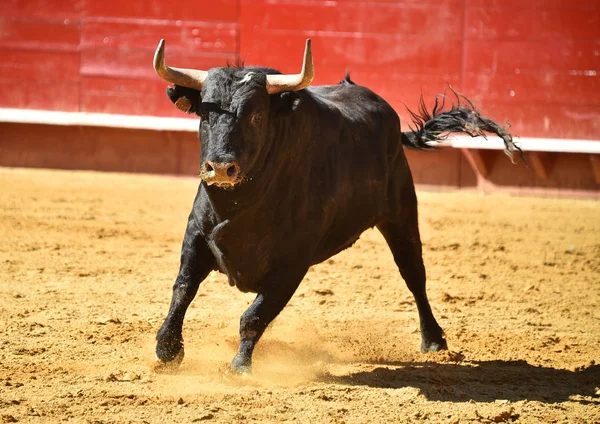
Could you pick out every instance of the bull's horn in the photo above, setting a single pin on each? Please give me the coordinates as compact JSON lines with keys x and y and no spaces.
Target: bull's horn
{"x":280,"y":83}
{"x":190,"y":78}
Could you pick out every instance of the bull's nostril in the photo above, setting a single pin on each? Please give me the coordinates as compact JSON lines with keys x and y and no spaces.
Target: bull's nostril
{"x":208,"y":167}
{"x":231,"y":171}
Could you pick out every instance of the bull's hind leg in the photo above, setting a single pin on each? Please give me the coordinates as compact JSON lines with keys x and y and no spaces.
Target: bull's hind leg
{"x":269,"y":302}
{"x":404,"y":240}
{"x":196,"y":262}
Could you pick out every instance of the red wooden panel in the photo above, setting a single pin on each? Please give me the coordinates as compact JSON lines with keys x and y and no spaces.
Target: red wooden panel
{"x":537,"y":4}
{"x":209,"y":37}
{"x":44,"y":35}
{"x":434,"y":21}
{"x":405,"y":90}
{"x":519,"y":24}
{"x":534,"y":62}
{"x":513,"y":57}
{"x":126,"y":96}
{"x":128,"y":34}
{"x":537,"y":87}
{"x":399,"y":90}
{"x":552,"y":120}
{"x":188,"y":36}
{"x":97,"y":148}
{"x":26,"y":66}
{"x":55,"y":95}
{"x":375,"y":2}
{"x":217,"y":10}
{"x":145,"y":97}
{"x":138,"y":63}
{"x":350,"y":51}
{"x":46,"y":9}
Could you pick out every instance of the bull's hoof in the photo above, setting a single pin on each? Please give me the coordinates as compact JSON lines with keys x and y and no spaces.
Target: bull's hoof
{"x":161,"y":366}
{"x":168,"y":348}
{"x":241,"y":365}
{"x":430,"y":346}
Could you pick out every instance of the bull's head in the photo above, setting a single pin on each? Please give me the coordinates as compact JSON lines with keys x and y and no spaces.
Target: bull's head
{"x":238,"y":109}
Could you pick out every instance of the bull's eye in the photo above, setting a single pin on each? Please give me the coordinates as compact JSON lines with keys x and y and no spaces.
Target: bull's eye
{"x":256,"y":118}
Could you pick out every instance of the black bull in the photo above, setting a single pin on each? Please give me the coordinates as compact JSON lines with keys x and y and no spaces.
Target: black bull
{"x":290,"y":179}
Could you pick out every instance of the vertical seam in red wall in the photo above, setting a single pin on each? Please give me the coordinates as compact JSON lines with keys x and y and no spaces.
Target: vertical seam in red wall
{"x":238,"y":5}
{"x":462,"y":49}
{"x":79,"y":80}
{"x":462,"y":80}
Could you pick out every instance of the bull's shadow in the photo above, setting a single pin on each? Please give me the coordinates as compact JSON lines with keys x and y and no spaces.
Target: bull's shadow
{"x":484,"y":381}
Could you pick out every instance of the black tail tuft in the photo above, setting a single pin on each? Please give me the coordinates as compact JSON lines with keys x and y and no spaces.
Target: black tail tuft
{"x":347,"y":80}
{"x":435,"y":126}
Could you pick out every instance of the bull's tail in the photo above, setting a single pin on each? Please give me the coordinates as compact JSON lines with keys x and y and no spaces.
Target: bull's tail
{"x":435,"y":126}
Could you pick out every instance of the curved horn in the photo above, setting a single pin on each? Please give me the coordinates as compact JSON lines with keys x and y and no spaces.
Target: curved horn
{"x":280,"y":83}
{"x":190,"y":78}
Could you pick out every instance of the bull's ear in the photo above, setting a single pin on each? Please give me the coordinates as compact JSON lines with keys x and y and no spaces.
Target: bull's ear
{"x":185,"y":99}
{"x":286,"y":103}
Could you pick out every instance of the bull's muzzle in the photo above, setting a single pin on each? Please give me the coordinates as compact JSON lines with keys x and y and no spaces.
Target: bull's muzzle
{"x":221,"y":174}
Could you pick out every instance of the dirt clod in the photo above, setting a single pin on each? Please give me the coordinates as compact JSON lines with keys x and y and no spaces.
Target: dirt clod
{"x":204,"y":417}
{"x":504,"y":416}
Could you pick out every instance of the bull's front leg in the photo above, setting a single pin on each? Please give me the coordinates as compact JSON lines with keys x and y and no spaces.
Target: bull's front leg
{"x":269,"y":302}
{"x":196,"y":262}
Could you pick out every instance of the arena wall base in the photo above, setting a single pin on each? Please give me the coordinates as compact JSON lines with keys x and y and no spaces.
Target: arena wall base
{"x":176,"y":152}
{"x":542,"y":174}
{"x":99,"y":148}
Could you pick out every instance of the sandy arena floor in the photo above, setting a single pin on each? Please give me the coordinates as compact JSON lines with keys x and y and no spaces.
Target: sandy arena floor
{"x":87,"y":261}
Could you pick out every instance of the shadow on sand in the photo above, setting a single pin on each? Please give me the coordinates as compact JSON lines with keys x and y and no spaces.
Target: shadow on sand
{"x":484,"y":381}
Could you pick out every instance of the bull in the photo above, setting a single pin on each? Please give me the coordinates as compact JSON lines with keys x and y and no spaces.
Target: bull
{"x":292,"y":174}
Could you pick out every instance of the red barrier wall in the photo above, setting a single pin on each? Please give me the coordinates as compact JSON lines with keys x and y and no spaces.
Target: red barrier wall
{"x":533,"y":62}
